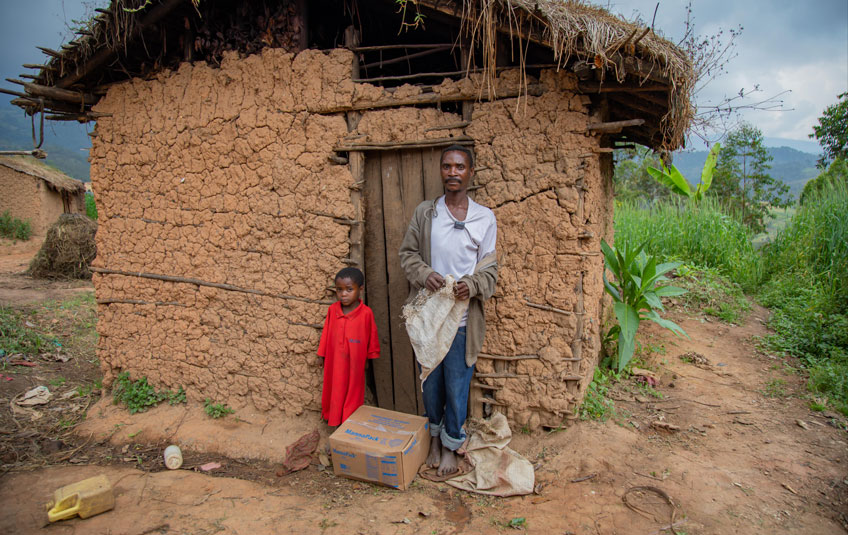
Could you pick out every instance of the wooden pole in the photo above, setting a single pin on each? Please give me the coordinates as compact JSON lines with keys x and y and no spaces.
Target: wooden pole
{"x":198,"y":282}
{"x":105,"y":55}
{"x":406,"y":57}
{"x":613,"y":127}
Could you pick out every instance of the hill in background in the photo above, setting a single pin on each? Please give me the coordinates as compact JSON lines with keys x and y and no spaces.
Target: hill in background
{"x":66,"y":144}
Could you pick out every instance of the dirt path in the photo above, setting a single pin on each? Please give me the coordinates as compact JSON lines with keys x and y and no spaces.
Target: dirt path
{"x":17,"y":289}
{"x":745,"y":455}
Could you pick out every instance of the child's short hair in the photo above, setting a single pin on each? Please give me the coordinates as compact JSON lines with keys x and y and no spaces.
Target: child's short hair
{"x":459,"y":148}
{"x":351,"y":273}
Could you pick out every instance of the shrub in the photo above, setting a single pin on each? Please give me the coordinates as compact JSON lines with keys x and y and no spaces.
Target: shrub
{"x":14,"y":228}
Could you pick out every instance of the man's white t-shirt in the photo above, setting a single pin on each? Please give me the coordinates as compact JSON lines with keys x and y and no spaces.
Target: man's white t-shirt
{"x":455,"y":248}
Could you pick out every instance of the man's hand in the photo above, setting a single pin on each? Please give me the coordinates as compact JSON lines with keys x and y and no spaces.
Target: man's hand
{"x":461,"y":291}
{"x":434,"y":281}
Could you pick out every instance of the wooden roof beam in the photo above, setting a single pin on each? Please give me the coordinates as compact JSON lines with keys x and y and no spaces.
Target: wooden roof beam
{"x":105,"y":55}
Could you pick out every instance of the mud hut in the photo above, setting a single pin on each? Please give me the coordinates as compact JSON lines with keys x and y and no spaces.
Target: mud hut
{"x":39,"y":194}
{"x":245,"y":151}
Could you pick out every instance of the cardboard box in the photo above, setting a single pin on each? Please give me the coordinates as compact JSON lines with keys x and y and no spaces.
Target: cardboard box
{"x":380,"y":446}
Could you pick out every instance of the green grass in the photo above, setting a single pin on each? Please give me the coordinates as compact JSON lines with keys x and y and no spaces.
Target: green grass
{"x":19,"y":335}
{"x":90,"y":207}
{"x":698,"y":234}
{"x":712,"y":293}
{"x":596,"y":405}
{"x":806,"y":287}
{"x":14,"y":228}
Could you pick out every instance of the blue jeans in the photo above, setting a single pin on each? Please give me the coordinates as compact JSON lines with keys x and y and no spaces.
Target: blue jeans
{"x":446,"y":394}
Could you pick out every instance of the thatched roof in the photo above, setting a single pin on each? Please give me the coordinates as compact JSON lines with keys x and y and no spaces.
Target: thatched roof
{"x":638,"y":73}
{"x":57,"y":180}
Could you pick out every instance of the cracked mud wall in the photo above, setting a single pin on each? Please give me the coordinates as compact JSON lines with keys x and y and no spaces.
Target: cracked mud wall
{"x":541,"y":173}
{"x":222,"y":175}
{"x":216,"y":174}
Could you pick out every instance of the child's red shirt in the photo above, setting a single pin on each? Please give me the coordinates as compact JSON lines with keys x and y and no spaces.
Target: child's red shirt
{"x":347,"y":341}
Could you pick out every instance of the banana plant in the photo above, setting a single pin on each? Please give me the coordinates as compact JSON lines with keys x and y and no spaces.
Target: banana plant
{"x":637,"y":294}
{"x":676,"y":182}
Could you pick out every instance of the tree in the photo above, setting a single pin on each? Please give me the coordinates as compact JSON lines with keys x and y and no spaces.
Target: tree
{"x":631,"y":178}
{"x":741,"y":178}
{"x":832,"y":131}
{"x":836,"y":172}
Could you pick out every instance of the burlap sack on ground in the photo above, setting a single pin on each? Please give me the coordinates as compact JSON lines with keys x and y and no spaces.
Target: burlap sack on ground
{"x":432,"y":319}
{"x":498,"y":470}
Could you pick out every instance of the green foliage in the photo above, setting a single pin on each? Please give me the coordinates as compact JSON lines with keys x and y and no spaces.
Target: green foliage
{"x":674,"y":180}
{"x":138,"y":395}
{"x":836,"y":172}
{"x":216,"y":410}
{"x":596,"y":405}
{"x":16,"y":335}
{"x":701,"y":234}
{"x":90,"y":207}
{"x":632,"y":182}
{"x":14,"y":228}
{"x":741,"y":178}
{"x":417,"y":17}
{"x":807,"y":288}
{"x":832,"y":131}
{"x":636,"y":294}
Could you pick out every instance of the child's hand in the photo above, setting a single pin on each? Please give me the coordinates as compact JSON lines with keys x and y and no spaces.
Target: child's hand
{"x":434,"y":281}
{"x":461,"y":291}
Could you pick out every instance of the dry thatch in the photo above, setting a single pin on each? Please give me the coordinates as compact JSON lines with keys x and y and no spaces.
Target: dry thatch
{"x":581,"y":36}
{"x":574,"y":29}
{"x":68,"y":249}
{"x":56,"y":179}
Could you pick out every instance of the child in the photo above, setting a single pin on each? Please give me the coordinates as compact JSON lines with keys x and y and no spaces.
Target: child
{"x":349,"y":338}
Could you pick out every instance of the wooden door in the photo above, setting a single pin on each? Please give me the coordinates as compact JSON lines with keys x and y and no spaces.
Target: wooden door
{"x":395,"y":183}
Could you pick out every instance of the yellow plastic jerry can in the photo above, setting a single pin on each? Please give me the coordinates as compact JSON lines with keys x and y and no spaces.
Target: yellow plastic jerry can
{"x":85,"y":498}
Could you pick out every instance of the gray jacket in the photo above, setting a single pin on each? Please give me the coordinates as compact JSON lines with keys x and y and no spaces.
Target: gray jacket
{"x":415,"y":261}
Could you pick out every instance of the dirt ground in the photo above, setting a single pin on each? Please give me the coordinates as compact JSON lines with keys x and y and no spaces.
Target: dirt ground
{"x":726,"y":435}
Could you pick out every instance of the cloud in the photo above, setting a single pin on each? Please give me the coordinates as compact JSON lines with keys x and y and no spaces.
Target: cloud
{"x":786,"y":44}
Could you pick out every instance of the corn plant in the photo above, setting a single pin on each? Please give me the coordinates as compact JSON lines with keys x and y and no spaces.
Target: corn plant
{"x":676,"y":182}
{"x":636,"y":294}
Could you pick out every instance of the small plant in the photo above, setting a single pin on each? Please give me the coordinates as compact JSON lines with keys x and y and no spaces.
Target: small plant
{"x":776,"y":388}
{"x":326,"y":524}
{"x":518,"y":523}
{"x":596,"y":405}
{"x":636,"y":295}
{"x":177,"y":397}
{"x":216,"y":410}
{"x":58,"y":381}
{"x":85,"y":390}
{"x":138,"y":395}
{"x":14,"y":228}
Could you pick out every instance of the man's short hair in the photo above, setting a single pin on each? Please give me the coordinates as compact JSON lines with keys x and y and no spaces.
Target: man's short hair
{"x":351,"y":273}
{"x":459,"y":148}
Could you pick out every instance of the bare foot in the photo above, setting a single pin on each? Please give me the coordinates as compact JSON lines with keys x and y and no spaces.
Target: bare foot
{"x":435,"y":452}
{"x":447,"y":464}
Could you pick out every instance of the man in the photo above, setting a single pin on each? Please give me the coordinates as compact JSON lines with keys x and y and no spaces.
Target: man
{"x":452,"y":235}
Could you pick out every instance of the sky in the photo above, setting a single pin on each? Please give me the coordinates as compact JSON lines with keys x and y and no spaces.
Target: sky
{"x":785,"y":45}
